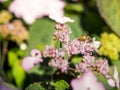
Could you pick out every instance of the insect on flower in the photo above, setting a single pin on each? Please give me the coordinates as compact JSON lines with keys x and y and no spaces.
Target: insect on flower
{"x":84,"y":38}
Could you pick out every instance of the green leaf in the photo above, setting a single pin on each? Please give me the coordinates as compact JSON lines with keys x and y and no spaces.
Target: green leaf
{"x":17,"y":71}
{"x":77,"y":60}
{"x":35,"y":86}
{"x":36,"y":70}
{"x":7,"y":3}
{"x":76,"y":7}
{"x":40,"y":34}
{"x":60,"y":85}
{"x":16,"y":67}
{"x":12,"y":58}
{"x":110,"y":11}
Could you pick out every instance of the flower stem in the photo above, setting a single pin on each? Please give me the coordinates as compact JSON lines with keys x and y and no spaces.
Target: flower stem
{"x":4,"y":51}
{"x":60,"y":44}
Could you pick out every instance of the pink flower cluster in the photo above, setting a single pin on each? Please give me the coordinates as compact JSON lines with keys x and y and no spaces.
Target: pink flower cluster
{"x":30,"y":10}
{"x":62,"y":33}
{"x":61,"y":59}
{"x":100,"y":66}
{"x":59,"y":63}
{"x":79,"y":47}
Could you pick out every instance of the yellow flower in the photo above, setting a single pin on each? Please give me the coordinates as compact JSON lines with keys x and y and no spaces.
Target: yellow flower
{"x":5,"y":16}
{"x":110,"y":45}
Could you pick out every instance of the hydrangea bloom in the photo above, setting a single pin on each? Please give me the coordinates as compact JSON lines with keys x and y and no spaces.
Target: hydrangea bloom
{"x":89,"y":60}
{"x":102,"y":67}
{"x":62,"y":33}
{"x":88,"y":81}
{"x":80,"y":47}
{"x":49,"y":51}
{"x":59,"y":63}
{"x":31,"y":61}
{"x":81,"y":67}
{"x":30,"y":10}
{"x":73,"y":47}
{"x":15,"y":31}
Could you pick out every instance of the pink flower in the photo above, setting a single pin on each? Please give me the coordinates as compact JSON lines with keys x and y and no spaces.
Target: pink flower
{"x":89,"y":60}
{"x":49,"y":51}
{"x":87,"y":81}
{"x":115,"y":81}
{"x":59,"y":63}
{"x":62,"y":33}
{"x":102,"y":67}
{"x":30,"y":61}
{"x":79,"y":47}
{"x":73,"y":47}
{"x":82,"y":67}
{"x":30,"y":10}
{"x":3,"y":0}
{"x":60,"y":53}
{"x":86,"y":48}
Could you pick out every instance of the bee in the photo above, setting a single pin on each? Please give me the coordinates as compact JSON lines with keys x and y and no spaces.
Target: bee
{"x":84,"y":38}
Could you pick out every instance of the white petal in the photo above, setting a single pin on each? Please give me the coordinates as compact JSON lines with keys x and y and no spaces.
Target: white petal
{"x":61,"y":20}
{"x":115,"y":73}
{"x":96,"y":43}
{"x":116,"y":76}
{"x":111,"y":82}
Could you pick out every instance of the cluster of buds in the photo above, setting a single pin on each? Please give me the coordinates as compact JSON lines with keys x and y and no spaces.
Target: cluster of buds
{"x":61,"y":58}
{"x":14,"y":31}
{"x":110,"y":45}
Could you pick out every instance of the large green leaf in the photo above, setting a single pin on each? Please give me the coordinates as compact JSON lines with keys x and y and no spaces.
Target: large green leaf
{"x":15,"y":64}
{"x":110,"y":11}
{"x":12,"y":58}
{"x":40,"y":34}
{"x":17,"y":70}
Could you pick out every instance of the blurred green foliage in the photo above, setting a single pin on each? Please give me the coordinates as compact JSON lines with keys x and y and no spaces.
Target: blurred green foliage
{"x":15,"y":63}
{"x":35,"y":86}
{"x":109,"y":10}
{"x":60,"y":85}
